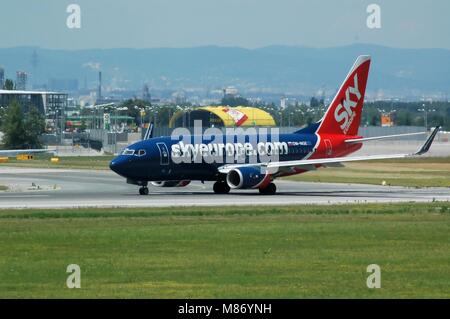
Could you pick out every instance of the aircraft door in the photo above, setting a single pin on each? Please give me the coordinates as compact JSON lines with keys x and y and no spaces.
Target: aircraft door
{"x":163,"y":153}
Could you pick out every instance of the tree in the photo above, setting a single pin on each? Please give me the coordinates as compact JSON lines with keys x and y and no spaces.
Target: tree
{"x":13,"y":127}
{"x":22,"y":131}
{"x":83,"y":125}
{"x":370,"y":116}
{"x":2,"y":115}
{"x":8,"y":85}
{"x":234,"y":101}
{"x":314,"y":102}
{"x":134,"y":106}
{"x":404,"y":117}
{"x":34,"y":127}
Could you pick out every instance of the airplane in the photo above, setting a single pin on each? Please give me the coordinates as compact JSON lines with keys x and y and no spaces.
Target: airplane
{"x":242,"y":165}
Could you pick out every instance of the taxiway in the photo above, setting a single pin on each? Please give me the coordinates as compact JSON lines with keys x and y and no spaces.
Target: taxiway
{"x":65,"y":188}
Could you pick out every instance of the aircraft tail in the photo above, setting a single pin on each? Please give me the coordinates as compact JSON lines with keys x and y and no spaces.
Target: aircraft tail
{"x":343,"y":116}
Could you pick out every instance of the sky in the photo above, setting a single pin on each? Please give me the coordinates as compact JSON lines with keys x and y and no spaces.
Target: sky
{"x":241,"y":23}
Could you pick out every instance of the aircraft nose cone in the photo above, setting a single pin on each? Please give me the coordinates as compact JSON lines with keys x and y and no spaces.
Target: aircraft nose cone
{"x":116,"y":165}
{"x":113,"y":165}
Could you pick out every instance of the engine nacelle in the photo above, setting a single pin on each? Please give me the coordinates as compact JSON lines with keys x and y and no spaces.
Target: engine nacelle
{"x":248,"y":177}
{"x":171,"y":183}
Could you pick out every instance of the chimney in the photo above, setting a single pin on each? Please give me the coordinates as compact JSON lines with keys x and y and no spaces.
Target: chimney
{"x":99,"y":93}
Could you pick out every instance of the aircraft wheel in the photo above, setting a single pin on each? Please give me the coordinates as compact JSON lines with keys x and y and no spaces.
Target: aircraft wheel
{"x":271,"y":189}
{"x":143,"y":190}
{"x":226,"y":188}
{"x":221,"y":188}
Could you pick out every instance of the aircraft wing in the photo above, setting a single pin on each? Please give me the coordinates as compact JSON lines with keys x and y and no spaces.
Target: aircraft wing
{"x":307,"y":164}
{"x":25,"y":151}
{"x":365,"y":139}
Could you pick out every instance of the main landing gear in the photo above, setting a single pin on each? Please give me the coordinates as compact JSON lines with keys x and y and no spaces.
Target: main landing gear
{"x":143,"y":190}
{"x":271,"y":189}
{"x":221,"y":188}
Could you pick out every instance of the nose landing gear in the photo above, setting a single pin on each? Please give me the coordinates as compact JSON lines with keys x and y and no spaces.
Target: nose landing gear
{"x":143,"y":190}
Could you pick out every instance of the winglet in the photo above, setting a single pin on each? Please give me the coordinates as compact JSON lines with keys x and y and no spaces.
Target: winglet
{"x":426,"y":146}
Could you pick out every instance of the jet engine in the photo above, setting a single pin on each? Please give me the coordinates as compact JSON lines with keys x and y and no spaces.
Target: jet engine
{"x":248,"y":177}
{"x":171,"y":183}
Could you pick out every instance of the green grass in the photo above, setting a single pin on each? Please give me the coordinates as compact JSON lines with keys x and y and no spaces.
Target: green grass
{"x":413,"y":172}
{"x":267,"y":252}
{"x":3,"y":188}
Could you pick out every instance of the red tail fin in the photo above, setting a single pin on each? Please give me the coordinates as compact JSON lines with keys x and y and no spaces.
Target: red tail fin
{"x":344,"y":113}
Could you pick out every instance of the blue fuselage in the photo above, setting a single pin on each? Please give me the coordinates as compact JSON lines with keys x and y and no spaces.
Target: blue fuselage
{"x":198,"y":157}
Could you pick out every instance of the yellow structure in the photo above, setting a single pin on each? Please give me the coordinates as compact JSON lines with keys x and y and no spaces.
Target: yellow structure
{"x":54,"y":160}
{"x":4,"y":159}
{"x":219,"y":116}
{"x":24,"y":157}
{"x":387,"y":120}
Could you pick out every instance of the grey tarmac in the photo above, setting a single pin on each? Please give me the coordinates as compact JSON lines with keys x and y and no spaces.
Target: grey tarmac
{"x":66,"y":188}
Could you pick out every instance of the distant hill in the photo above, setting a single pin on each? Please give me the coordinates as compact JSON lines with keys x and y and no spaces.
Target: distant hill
{"x":298,"y":70}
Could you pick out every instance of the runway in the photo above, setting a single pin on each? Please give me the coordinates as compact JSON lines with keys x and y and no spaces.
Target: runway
{"x":64,"y":188}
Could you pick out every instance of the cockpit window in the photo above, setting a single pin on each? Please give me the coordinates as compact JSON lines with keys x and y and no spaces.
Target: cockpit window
{"x":128,"y":152}
{"x":141,"y":152}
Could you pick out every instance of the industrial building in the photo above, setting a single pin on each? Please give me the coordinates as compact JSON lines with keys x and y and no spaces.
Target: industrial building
{"x":21,"y":80}
{"x":2,"y":77}
{"x":50,"y":104}
{"x":46,"y":102}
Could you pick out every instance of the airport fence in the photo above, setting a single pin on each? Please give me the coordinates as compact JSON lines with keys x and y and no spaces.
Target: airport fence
{"x":111,"y":142}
